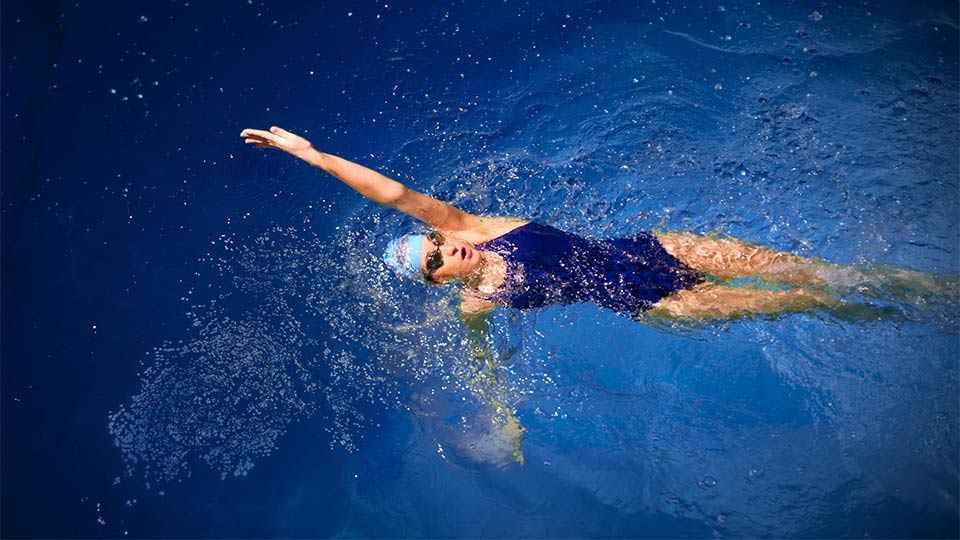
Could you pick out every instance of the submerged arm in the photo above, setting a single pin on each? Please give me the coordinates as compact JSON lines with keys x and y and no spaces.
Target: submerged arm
{"x":473,"y":309}
{"x":487,"y":381}
{"x":367,"y":182}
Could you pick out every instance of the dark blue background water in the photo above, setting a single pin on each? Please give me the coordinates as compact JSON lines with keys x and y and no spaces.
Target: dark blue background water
{"x":198,"y":339}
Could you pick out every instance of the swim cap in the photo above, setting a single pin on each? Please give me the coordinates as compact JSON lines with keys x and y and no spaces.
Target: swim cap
{"x":403,"y":255}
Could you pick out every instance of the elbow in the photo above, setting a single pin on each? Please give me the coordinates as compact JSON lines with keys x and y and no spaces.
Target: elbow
{"x":396,"y":196}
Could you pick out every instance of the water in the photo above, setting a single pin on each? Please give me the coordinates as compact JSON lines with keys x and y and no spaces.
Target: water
{"x":200,"y":339}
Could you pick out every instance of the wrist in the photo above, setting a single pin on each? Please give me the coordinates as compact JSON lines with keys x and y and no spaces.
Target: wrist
{"x":315,"y":158}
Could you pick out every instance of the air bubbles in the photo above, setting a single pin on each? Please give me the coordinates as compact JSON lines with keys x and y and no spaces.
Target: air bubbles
{"x":815,"y":16}
{"x":100,"y":520}
{"x":708,"y":482}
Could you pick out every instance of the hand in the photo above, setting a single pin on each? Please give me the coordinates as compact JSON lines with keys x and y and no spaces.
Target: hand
{"x":278,"y":138}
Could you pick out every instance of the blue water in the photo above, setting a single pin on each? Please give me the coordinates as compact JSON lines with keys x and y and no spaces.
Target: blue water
{"x":199,"y":338}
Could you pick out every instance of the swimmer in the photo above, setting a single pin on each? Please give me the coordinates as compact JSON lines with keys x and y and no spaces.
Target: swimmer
{"x":511,"y":262}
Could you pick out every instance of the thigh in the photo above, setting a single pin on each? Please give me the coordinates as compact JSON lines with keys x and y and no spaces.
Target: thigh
{"x":713,"y":301}
{"x":728,"y":258}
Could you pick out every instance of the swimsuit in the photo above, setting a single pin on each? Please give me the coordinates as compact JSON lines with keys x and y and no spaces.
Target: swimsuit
{"x":548,"y":266}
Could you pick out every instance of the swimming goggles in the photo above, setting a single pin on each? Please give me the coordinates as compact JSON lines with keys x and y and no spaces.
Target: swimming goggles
{"x":435,"y":259}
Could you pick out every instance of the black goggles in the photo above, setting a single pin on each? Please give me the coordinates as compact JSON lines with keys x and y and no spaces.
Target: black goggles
{"x":435,"y":259}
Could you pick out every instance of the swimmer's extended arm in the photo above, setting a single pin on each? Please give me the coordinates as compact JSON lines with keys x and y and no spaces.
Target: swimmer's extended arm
{"x":369,"y":183}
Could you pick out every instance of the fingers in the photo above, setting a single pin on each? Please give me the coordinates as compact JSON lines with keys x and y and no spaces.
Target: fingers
{"x":275,"y":138}
{"x":257,"y":133}
{"x":260,"y":144}
{"x":273,"y":133}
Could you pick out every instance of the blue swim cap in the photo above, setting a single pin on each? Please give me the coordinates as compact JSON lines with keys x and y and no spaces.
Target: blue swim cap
{"x":403,"y":255}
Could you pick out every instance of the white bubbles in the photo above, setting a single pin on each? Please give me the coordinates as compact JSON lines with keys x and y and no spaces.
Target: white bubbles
{"x":224,"y":398}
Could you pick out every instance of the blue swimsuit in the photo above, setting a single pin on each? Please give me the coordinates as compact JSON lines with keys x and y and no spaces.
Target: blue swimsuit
{"x":548,"y":266}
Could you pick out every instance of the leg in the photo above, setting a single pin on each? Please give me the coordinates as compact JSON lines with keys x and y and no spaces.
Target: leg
{"x":727,"y":258}
{"x":712,"y":301}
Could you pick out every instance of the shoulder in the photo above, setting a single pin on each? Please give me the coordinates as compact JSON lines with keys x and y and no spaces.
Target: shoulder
{"x":481,"y":229}
{"x":472,"y":304}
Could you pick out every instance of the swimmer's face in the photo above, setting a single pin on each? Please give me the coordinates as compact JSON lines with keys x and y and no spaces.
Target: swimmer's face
{"x":446,"y":257}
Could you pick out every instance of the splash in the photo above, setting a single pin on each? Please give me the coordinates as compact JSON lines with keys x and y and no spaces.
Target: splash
{"x":246,"y":370}
{"x":303,"y":327}
{"x":224,"y":397}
